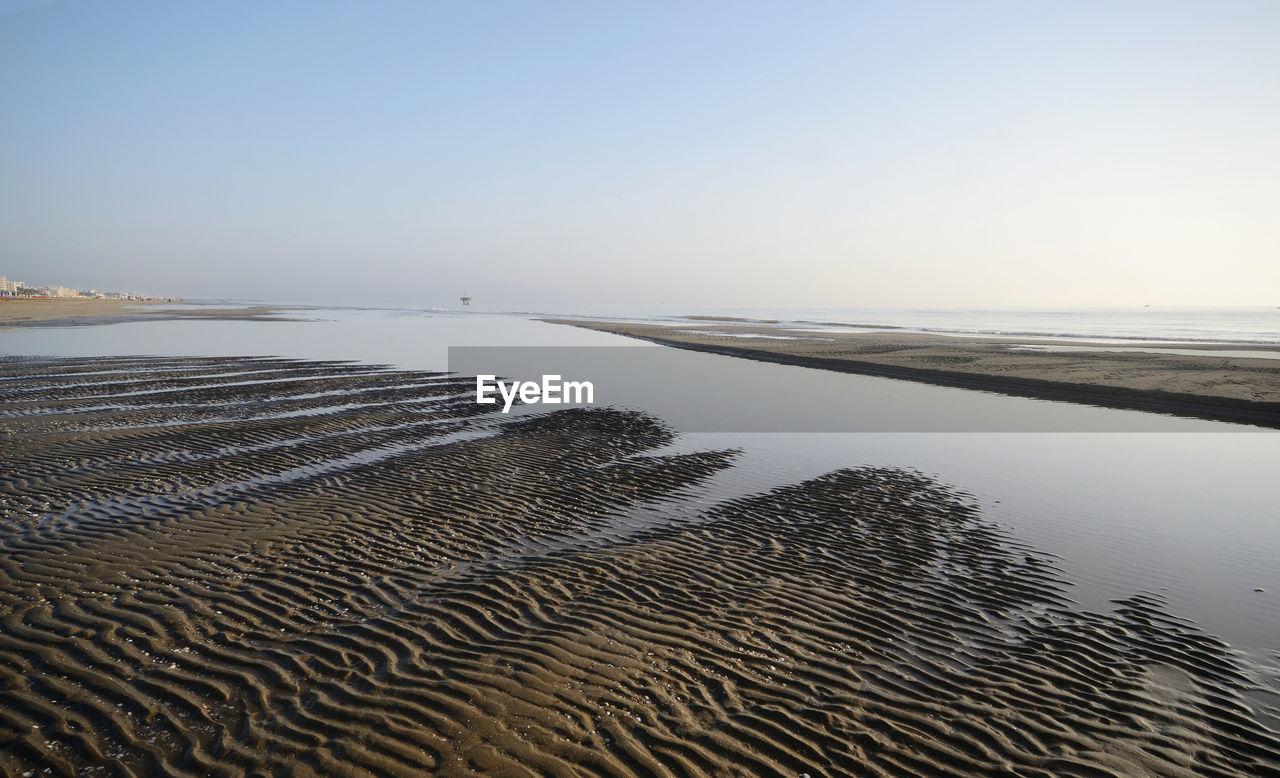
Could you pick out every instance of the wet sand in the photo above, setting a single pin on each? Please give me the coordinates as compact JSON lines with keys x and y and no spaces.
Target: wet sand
{"x":1235,"y":389}
{"x":262,"y":566}
{"x":67,"y":311}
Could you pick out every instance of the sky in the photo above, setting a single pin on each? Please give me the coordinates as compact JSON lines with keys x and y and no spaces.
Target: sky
{"x":546,"y":154}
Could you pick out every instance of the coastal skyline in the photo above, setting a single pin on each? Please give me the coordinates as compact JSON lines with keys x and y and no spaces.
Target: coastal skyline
{"x":919,"y":155}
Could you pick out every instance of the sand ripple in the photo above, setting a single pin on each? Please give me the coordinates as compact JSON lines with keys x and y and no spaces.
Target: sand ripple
{"x":247,"y":566}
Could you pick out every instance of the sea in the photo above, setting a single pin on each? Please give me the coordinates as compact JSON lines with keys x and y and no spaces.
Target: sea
{"x":1125,"y":502}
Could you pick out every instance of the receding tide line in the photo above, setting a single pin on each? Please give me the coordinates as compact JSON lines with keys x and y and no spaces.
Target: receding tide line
{"x":429,"y":586}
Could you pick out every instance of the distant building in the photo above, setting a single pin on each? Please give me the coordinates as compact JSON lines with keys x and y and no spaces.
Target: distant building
{"x":12,"y":288}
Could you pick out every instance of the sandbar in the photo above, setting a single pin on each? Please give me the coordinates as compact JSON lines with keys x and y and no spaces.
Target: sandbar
{"x":1235,"y":389}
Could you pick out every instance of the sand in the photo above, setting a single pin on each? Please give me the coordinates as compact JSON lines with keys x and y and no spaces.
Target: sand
{"x":53,"y":311}
{"x":263,"y":566}
{"x":1236,"y":389}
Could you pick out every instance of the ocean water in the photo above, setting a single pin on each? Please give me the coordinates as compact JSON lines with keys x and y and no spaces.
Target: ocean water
{"x":1181,"y":508}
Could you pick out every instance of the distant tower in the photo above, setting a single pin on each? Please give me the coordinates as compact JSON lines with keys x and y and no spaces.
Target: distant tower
{"x":465,"y":298}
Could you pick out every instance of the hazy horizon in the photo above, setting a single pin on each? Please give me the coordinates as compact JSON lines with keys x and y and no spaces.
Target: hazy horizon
{"x":898,"y":155}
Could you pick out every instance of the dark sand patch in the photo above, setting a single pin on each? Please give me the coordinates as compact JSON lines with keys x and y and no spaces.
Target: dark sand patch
{"x":1235,"y":389}
{"x":273,"y":578}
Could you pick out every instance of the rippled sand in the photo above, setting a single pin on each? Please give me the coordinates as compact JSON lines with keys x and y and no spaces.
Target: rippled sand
{"x":248,"y":566}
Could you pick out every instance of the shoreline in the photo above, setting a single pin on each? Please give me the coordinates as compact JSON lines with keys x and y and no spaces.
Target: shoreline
{"x":1240,"y":390}
{"x":55,"y":312}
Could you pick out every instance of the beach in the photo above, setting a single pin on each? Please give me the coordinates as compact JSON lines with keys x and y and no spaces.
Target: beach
{"x":51,"y":311}
{"x":639,"y":390}
{"x":211,"y":568}
{"x":1168,"y":378}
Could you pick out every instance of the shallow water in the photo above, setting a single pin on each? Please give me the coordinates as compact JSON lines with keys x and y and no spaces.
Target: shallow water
{"x":1181,"y":508}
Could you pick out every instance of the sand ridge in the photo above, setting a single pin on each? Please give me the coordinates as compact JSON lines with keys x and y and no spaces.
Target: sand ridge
{"x":242,"y":566}
{"x":1235,"y":389}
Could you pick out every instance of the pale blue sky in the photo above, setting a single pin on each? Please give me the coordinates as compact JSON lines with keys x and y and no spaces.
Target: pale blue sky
{"x":540,"y":154}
